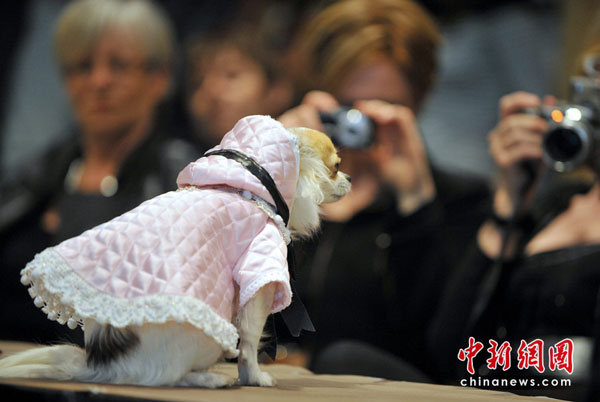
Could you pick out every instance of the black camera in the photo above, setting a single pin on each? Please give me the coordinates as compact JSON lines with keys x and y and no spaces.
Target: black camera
{"x":348,"y":128}
{"x":573,"y":136}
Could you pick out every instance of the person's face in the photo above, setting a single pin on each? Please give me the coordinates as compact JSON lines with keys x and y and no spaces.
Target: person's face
{"x":231,"y":86}
{"x":377,"y":79}
{"x":112,"y":89}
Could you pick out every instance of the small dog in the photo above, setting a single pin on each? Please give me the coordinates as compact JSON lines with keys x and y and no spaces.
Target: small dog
{"x":157,"y":289}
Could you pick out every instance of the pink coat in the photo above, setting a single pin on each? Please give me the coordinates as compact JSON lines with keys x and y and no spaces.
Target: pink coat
{"x":180,"y":256}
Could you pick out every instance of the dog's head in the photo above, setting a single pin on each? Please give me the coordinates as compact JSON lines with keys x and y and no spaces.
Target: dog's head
{"x":319,"y":181}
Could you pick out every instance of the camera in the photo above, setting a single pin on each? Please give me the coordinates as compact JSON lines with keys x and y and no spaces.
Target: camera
{"x":573,"y":136}
{"x":348,"y":128}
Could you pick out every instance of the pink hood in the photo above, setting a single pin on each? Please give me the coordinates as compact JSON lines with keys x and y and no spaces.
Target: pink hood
{"x":263,"y":139}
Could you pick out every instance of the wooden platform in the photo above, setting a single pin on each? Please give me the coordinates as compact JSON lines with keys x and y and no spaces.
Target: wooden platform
{"x":294,"y":384}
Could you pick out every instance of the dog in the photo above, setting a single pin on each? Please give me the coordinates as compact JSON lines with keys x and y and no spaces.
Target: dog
{"x":157,"y":290}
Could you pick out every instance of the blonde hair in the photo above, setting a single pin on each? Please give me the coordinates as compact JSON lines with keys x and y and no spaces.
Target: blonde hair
{"x":84,"y":22}
{"x":351,"y":32}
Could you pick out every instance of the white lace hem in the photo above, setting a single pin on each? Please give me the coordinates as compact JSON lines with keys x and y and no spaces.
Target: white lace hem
{"x":65,"y":297}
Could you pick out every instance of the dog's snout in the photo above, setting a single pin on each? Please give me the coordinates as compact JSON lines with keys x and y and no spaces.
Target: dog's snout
{"x":348,"y":177}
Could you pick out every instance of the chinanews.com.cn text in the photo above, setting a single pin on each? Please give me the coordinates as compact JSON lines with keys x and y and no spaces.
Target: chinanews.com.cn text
{"x":480,"y":382}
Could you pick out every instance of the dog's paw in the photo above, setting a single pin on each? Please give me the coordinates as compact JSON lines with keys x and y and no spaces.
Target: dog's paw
{"x":257,"y":379}
{"x":265,"y":380}
{"x":206,"y":379}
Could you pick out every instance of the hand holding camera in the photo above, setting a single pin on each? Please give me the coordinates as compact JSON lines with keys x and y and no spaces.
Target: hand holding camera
{"x":399,"y":154}
{"x":382,"y":144}
{"x":516,"y":146}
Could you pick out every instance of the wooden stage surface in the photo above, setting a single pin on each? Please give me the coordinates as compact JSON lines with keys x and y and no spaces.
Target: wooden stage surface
{"x":294,"y":384}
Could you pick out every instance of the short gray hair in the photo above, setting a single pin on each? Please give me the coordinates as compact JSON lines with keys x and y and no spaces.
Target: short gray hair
{"x":83,"y":22}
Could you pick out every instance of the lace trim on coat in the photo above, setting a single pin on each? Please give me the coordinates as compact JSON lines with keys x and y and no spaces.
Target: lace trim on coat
{"x":66,"y":298}
{"x":283,"y":293}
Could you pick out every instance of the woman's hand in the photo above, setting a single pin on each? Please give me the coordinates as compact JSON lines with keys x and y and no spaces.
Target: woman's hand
{"x":516,"y":146}
{"x":399,"y":153}
{"x":307,"y":113}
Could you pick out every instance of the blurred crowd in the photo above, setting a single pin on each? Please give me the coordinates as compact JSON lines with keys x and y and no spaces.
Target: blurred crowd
{"x":456,"y":227}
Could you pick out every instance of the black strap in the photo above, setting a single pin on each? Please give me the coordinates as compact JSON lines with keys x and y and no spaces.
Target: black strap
{"x":261,"y":174}
{"x":295,"y":315}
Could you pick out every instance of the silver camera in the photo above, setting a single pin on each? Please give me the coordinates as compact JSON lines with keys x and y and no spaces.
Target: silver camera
{"x":348,"y":128}
{"x":573,"y":136}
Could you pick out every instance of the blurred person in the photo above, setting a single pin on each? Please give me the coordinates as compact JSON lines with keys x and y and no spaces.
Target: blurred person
{"x":490,"y":48}
{"x":232,"y":73}
{"x":532,"y":272}
{"x":116,"y":58}
{"x":372,"y":279}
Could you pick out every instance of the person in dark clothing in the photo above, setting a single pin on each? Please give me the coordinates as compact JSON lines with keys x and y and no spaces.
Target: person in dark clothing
{"x":117,"y":69}
{"x":374,"y":273}
{"x":377,"y":277}
{"x":532,"y":274}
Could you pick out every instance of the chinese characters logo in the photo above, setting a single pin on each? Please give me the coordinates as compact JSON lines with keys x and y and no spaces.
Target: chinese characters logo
{"x":529,"y":355}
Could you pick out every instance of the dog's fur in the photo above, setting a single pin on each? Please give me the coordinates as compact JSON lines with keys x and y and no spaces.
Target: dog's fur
{"x":179,"y":354}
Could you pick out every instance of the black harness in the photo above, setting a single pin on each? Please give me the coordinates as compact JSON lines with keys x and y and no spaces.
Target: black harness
{"x":295,"y":316}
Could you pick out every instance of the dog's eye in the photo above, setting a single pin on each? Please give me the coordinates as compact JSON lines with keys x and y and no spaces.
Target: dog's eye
{"x":337,"y":167}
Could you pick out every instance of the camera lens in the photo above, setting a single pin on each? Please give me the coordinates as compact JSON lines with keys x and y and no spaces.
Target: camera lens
{"x":563,"y":144}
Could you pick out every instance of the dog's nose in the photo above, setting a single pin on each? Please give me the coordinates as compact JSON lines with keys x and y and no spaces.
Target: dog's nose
{"x":348,"y":177}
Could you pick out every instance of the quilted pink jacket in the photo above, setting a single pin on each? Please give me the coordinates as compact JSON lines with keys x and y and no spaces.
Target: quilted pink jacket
{"x":180,"y":256}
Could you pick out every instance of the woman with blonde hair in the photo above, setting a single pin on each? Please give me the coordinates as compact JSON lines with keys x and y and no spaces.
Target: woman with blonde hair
{"x":116,"y":58}
{"x":374,"y":275}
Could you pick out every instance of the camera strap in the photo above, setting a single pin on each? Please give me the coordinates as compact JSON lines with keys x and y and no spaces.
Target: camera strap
{"x":295,"y":315}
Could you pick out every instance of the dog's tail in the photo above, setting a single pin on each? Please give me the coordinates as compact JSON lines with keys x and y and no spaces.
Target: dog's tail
{"x":61,"y":362}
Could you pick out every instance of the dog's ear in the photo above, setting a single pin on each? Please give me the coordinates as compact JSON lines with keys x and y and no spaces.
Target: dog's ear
{"x":318,"y":141}
{"x":302,"y":134}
